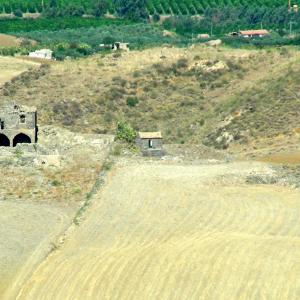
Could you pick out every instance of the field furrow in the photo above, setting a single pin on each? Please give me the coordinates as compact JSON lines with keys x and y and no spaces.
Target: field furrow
{"x":160,"y":231}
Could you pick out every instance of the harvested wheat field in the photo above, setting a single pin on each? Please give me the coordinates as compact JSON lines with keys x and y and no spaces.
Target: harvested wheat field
{"x":163,"y":231}
{"x":11,"y":67}
{"x":9,"y":41}
{"x":26,"y":230}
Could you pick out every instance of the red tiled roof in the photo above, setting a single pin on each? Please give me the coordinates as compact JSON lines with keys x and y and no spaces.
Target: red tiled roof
{"x":254,"y":32}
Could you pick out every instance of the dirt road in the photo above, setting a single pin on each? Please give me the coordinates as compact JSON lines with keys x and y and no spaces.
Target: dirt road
{"x":179,"y":232}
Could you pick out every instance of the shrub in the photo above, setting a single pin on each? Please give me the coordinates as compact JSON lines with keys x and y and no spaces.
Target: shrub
{"x":156,"y":18}
{"x":117,"y":150}
{"x":125,"y":133}
{"x":132,"y":101}
{"x":117,"y":55}
{"x":18,"y":13}
{"x":107,"y":166}
{"x":55,"y":182}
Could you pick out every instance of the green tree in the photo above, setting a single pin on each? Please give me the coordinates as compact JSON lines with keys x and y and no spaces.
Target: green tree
{"x":131,"y":9}
{"x":125,"y":133}
{"x":100,"y":8}
{"x":18,"y":13}
{"x":52,"y":3}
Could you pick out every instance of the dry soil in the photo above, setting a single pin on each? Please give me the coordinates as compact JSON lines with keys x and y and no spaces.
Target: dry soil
{"x":159,"y":231}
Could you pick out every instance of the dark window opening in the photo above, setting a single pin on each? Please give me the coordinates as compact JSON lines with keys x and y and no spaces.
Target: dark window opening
{"x":4,"y":141}
{"x":22,"y":119}
{"x":150,"y":144}
{"x":21,"y":139}
{"x":1,"y":124}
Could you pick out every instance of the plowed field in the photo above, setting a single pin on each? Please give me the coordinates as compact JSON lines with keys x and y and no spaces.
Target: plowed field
{"x":179,"y":232}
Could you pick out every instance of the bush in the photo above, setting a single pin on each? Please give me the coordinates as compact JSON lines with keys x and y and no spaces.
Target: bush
{"x":156,"y":18}
{"x":132,"y":101}
{"x":125,"y":133}
{"x":18,"y":13}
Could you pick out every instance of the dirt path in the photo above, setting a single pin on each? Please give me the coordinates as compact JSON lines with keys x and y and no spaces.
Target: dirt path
{"x":179,"y":232}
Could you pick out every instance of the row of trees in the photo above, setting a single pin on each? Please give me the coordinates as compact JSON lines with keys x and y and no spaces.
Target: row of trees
{"x":218,"y":20}
{"x":130,"y":9}
{"x":227,"y":19}
{"x":133,"y":9}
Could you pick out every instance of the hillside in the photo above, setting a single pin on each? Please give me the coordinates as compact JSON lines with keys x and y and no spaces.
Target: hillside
{"x":153,"y":6}
{"x":85,"y":216}
{"x":196,"y":95}
{"x":11,"y":67}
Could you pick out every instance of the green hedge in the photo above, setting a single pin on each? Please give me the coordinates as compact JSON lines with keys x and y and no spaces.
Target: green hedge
{"x":55,"y":24}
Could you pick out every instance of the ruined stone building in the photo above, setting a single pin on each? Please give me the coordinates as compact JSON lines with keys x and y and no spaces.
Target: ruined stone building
{"x":18,"y":124}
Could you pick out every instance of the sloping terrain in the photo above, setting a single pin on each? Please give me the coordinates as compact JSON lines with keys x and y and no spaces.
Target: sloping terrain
{"x":193,"y":95}
{"x":9,"y":41}
{"x":40,"y":192}
{"x":27,"y":230}
{"x":159,"y":231}
{"x":11,"y":67}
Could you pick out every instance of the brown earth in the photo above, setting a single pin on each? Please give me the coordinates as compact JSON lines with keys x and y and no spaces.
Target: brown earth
{"x":11,"y":41}
{"x":286,"y":158}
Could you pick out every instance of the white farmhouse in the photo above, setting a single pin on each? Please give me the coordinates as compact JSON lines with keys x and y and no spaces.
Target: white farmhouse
{"x":43,"y":53}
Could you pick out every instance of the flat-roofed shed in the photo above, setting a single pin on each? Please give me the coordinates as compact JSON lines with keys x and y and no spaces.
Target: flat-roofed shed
{"x":150,"y":143}
{"x":150,"y":135}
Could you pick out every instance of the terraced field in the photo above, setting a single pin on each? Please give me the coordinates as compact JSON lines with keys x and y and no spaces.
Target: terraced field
{"x":161,"y":231}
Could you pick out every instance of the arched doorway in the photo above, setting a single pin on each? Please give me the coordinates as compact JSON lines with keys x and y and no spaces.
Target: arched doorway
{"x":21,"y":138}
{"x":4,"y":140}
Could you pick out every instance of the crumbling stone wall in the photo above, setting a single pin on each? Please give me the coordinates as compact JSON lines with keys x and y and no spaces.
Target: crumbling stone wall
{"x":18,"y":124}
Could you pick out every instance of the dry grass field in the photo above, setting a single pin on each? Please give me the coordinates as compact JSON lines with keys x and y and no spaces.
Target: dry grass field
{"x":40,"y":193}
{"x":187,"y":227}
{"x":9,"y":41}
{"x":192,"y":95}
{"x":27,"y":230}
{"x":164,"y":231}
{"x":11,"y":67}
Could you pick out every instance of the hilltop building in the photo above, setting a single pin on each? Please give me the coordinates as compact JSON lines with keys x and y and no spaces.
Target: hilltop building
{"x":150,"y":143}
{"x":18,"y":124}
{"x":120,"y":46}
{"x":43,"y":53}
{"x":254,"y":33}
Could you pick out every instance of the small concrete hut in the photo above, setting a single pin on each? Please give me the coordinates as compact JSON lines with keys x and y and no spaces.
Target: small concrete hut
{"x":150,"y":143}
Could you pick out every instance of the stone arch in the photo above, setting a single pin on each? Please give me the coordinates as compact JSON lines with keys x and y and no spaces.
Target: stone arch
{"x":4,"y":140}
{"x":21,"y":138}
